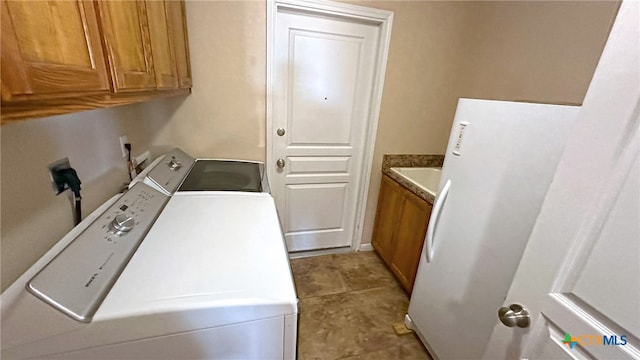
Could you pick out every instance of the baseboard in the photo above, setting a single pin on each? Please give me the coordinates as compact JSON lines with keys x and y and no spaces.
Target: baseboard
{"x":303,"y":254}
{"x":365,"y":247}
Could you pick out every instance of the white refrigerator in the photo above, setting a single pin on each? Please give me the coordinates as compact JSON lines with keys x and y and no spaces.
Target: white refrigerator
{"x":499,"y":163}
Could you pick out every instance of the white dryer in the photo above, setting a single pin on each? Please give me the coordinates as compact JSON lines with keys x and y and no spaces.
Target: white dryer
{"x":176,"y":171}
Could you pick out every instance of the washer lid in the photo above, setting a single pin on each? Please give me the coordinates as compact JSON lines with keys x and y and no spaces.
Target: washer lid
{"x":208,"y":251}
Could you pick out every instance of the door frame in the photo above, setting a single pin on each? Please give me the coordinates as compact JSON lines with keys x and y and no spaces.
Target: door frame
{"x":381,"y":18}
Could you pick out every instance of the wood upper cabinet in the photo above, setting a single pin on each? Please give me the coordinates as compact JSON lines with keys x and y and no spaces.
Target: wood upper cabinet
{"x":161,"y":45}
{"x":127,"y":39}
{"x":51,"y":49}
{"x":66,"y":56}
{"x":178,"y":28}
{"x":146,"y":44}
{"x":399,"y":230}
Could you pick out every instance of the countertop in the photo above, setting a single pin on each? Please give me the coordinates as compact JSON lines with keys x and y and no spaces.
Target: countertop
{"x":408,"y":160}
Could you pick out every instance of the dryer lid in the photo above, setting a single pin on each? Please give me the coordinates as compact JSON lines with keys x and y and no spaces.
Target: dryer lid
{"x":224,"y":175}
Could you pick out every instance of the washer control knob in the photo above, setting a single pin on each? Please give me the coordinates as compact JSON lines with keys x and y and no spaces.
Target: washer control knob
{"x":122,"y":224}
{"x":174,"y":164}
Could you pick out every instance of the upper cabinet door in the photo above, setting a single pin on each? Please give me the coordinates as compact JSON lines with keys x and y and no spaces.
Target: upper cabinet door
{"x":163,"y":53}
{"x":51,"y":48}
{"x":178,"y":27}
{"x":126,"y":34}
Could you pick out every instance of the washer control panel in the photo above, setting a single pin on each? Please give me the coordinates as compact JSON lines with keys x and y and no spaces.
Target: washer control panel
{"x":172,"y":169}
{"x":78,"y":279}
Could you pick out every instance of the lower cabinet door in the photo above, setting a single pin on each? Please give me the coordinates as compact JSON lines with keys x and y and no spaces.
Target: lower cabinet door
{"x":400,"y":226}
{"x":389,"y":205}
{"x":410,"y":232}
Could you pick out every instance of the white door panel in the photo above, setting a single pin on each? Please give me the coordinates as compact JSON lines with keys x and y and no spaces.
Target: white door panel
{"x":611,"y":264}
{"x":324,"y":70}
{"x":550,"y":345}
{"x":318,"y":164}
{"x":592,"y":296}
{"x":317,"y":178}
{"x":323,"y":82}
{"x":315,"y":207}
{"x":580,"y":275}
{"x":320,"y":150}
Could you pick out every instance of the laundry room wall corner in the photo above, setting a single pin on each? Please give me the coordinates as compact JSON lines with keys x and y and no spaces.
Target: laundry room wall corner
{"x":225,"y":114}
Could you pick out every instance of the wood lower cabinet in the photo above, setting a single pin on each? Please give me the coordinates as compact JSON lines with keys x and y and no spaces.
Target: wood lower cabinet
{"x":390,"y":201}
{"x":409,"y":238}
{"x":399,"y":230}
{"x":65,"y":56}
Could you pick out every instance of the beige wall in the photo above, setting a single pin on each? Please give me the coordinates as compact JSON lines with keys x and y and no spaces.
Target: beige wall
{"x":542,"y":51}
{"x":439,"y":52}
{"x":33,"y":217}
{"x":225,"y":114}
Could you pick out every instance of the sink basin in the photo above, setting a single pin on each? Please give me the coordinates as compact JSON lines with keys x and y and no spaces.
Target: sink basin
{"x":426,"y":178}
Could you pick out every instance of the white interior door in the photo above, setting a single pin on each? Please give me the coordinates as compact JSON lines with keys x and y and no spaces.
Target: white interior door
{"x":579,"y":277}
{"x":323,"y":82}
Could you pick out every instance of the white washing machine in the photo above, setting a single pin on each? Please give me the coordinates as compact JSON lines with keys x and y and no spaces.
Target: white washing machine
{"x":146,"y":276}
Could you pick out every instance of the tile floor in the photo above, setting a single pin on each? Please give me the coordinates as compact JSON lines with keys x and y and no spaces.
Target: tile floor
{"x":348,"y":304}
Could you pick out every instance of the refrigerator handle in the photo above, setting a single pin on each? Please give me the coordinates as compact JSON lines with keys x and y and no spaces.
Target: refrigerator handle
{"x":433,"y":220}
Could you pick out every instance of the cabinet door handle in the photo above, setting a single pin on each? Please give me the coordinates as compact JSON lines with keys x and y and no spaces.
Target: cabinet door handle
{"x":433,"y":220}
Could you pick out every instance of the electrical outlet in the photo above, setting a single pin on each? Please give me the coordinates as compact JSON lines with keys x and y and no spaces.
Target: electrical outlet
{"x":140,"y":159}
{"x":141,"y":162}
{"x":124,"y":140}
{"x":58,"y":165}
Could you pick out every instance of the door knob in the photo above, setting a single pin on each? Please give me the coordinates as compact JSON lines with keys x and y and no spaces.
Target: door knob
{"x":280,"y":132}
{"x":514,"y":315}
{"x":280,"y":163}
